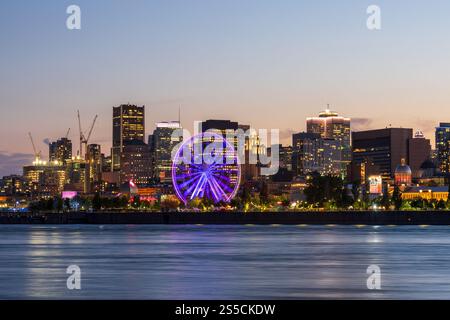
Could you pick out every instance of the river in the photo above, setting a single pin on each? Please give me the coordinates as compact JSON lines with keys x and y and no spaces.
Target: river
{"x":224,"y":262}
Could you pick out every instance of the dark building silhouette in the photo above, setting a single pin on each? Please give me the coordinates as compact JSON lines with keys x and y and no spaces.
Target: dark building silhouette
{"x":128,"y":125}
{"x":94,"y":167}
{"x":249,"y":171}
{"x":161,"y":143}
{"x":384,"y":148}
{"x":135,"y":163}
{"x":443,"y":147}
{"x":332,"y":126}
{"x":306,"y":149}
{"x":60,"y":150}
{"x":419,"y":151}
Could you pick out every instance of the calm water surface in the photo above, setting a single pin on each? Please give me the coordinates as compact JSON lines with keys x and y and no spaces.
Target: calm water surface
{"x":224,"y":262}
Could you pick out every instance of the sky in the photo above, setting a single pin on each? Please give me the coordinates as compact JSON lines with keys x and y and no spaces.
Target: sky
{"x":267,"y":63}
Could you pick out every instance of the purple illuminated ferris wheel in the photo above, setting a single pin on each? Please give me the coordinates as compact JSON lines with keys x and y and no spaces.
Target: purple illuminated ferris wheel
{"x":206,"y":166}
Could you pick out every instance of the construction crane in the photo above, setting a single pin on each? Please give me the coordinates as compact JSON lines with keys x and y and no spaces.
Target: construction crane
{"x":67,"y":134}
{"x":83,"y":139}
{"x":37,"y":155}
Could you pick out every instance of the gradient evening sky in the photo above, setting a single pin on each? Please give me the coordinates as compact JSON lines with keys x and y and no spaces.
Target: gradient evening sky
{"x":268,"y":63}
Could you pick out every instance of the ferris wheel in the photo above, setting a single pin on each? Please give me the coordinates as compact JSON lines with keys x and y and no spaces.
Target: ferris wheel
{"x":195,"y":175}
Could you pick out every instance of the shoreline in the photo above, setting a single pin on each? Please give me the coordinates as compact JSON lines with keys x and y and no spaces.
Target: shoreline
{"x":235,"y":218}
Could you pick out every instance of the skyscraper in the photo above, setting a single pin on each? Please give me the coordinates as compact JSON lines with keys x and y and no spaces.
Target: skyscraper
{"x":285,"y":158}
{"x":77,"y":175}
{"x":45,"y":179}
{"x":135,"y":163}
{"x":443,"y":147}
{"x":332,"y":154}
{"x":219,"y":125}
{"x":60,"y":150}
{"x":419,"y":151}
{"x":128,"y":125}
{"x":161,"y":143}
{"x":224,"y":128}
{"x":306,"y":149}
{"x":384,"y":148}
{"x":94,"y":166}
{"x":329,"y":125}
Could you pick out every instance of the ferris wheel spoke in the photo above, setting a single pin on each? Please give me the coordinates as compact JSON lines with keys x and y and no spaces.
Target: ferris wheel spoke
{"x":190,"y":191}
{"x":189,"y":182}
{"x":199,"y":187}
{"x":214,"y":192}
{"x":220,"y":193}
{"x":203,"y":188}
{"x":224,"y":186}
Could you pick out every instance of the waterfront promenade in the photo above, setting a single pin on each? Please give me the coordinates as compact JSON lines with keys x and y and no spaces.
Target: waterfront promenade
{"x":235,"y":218}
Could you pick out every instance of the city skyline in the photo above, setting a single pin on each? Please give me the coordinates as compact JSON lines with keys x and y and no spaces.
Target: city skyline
{"x":215,"y":60}
{"x":21,"y":159}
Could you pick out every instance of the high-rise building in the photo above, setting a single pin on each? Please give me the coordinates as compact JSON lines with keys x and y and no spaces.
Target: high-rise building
{"x":161,"y":143}
{"x":384,"y":148}
{"x":250,"y":170}
{"x":225,"y":128}
{"x":110,"y":179}
{"x":285,"y":173}
{"x":332,"y":158}
{"x":419,"y":151}
{"x":77,"y":175}
{"x":106,"y":163}
{"x":443,"y":147}
{"x":128,"y":125}
{"x":94,"y":167}
{"x":14,"y":185}
{"x":251,"y":146}
{"x":45,"y":179}
{"x":285,"y":157}
{"x":312,"y":153}
{"x":60,"y":150}
{"x":136,"y":163}
{"x":329,"y":125}
{"x":221,"y":126}
{"x":306,"y":153}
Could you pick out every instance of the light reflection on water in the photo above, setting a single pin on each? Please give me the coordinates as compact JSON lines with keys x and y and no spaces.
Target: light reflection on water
{"x":224,"y":262}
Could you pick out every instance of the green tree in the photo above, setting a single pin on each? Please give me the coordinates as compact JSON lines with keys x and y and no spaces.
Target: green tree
{"x":97,"y":202}
{"x":385,"y":201}
{"x":58,"y":204}
{"x":323,"y":189}
{"x":264,"y":193}
{"x":346,"y":199}
{"x":397,"y":198}
{"x":285,"y":202}
{"x":448,"y":196}
{"x":356,"y":189}
{"x":136,"y":202}
{"x":440,"y":205}
{"x":66,"y":204}
{"x":172,"y":203}
{"x":123,"y":202}
{"x":246,"y":193}
{"x":50,"y":204}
